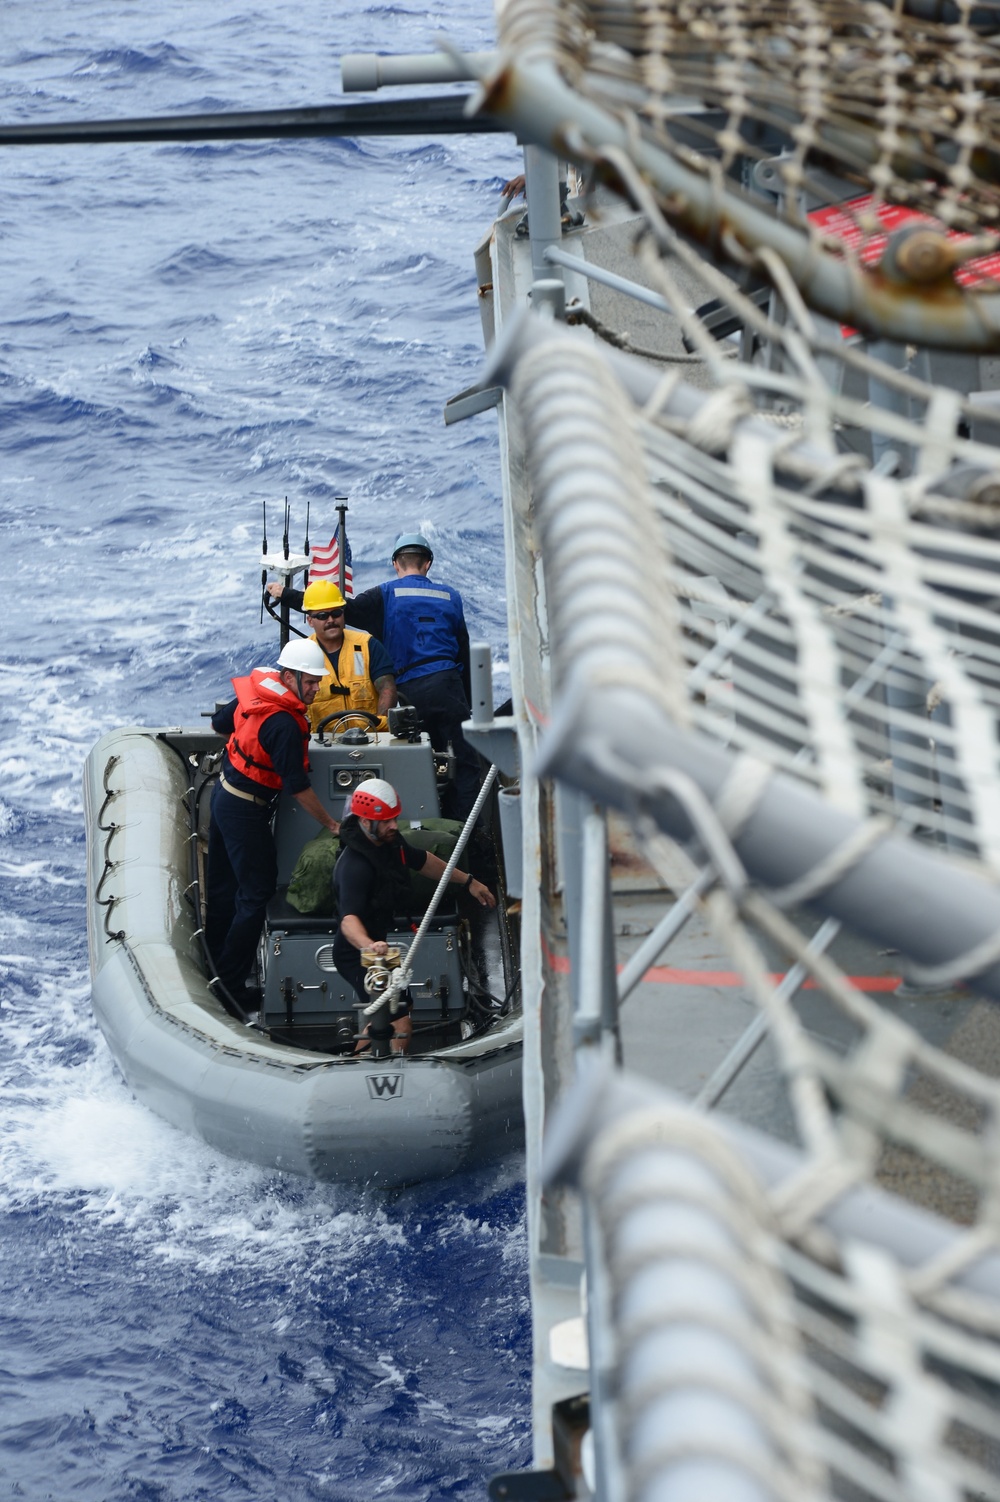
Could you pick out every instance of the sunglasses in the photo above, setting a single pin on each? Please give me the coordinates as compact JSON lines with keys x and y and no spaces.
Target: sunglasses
{"x":325,"y":615}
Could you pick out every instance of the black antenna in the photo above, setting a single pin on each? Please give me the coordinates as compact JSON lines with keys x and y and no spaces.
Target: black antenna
{"x":284,"y":539}
{"x":305,"y":549}
{"x":263,"y":572}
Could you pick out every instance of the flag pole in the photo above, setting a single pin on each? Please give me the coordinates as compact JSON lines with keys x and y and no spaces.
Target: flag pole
{"x":341,"y":501}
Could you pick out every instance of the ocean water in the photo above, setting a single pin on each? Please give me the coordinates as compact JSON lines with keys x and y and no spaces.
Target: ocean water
{"x":186,"y":333}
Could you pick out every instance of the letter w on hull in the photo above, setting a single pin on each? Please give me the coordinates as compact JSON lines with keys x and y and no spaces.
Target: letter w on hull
{"x":385,"y":1086}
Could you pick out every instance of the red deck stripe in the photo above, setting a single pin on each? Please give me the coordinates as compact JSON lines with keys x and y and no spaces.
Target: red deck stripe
{"x":666,"y":975}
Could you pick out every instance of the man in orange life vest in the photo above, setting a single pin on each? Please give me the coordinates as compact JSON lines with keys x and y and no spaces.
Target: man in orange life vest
{"x":267,"y":751}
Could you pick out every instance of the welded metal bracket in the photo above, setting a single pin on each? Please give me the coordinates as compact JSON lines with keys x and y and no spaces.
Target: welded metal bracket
{"x":570,"y":1422}
{"x":471,"y":401}
{"x":496,"y":741}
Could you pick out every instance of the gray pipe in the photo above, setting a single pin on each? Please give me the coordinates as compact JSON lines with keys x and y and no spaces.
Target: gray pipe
{"x":601,"y":1097}
{"x":794,"y":461}
{"x":701,"y":1353}
{"x":363,"y":72}
{"x":543,"y":110}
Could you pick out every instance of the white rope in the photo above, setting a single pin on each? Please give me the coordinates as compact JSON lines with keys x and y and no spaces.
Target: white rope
{"x":392,"y":995}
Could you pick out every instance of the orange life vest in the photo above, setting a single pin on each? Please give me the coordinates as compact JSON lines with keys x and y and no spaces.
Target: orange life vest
{"x":257,"y":698}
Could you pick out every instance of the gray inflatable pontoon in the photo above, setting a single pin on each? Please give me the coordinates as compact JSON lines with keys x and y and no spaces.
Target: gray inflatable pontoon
{"x":384,"y":1122}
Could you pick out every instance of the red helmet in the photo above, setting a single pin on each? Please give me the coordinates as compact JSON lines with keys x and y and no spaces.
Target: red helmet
{"x":375,"y":799}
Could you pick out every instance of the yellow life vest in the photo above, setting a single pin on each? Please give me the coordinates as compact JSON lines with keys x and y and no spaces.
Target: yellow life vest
{"x":348,"y":684}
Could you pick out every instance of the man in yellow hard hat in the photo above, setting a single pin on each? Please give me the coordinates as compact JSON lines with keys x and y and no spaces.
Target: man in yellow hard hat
{"x":360,"y":673}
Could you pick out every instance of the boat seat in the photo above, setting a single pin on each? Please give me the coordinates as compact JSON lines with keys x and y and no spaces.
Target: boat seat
{"x":281,"y":915}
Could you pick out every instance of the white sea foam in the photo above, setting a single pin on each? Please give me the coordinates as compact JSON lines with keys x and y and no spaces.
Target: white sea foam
{"x":78,"y":1139}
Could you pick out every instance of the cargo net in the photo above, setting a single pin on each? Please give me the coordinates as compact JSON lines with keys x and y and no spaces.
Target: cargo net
{"x":833,"y":541}
{"x":839,"y":622}
{"x":769,"y":1368}
{"x":903,"y":105}
{"x":855,"y":1344}
{"x":830,"y":529}
{"x":859,"y":140}
{"x":842,"y":625}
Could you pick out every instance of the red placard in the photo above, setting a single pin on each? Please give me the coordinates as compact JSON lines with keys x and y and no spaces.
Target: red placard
{"x":839,"y":221}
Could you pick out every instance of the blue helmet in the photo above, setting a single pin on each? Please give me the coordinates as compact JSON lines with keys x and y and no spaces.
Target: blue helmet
{"x":412,"y":542}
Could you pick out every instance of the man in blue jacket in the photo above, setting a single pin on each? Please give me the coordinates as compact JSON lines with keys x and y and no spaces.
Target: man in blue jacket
{"x":424,"y":632}
{"x":421,"y":623}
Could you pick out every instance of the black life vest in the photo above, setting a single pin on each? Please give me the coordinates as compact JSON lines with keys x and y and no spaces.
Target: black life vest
{"x":392,"y":895}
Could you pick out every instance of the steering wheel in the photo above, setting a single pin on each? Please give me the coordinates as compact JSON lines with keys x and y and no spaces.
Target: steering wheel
{"x":340,"y":716}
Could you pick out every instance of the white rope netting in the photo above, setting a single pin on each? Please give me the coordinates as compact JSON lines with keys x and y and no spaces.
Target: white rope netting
{"x":824,"y":516}
{"x":859,"y":141}
{"x":898,"y":103}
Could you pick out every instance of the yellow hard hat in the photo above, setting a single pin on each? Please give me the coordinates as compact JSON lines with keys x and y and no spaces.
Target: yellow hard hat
{"x":322,"y":594}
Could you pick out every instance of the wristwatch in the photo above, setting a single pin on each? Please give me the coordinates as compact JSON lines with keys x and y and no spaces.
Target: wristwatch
{"x":467,"y":883}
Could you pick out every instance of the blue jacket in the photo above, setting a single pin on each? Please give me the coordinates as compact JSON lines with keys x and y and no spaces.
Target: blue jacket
{"x":424,"y":626}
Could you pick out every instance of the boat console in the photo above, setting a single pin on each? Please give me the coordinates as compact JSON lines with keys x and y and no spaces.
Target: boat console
{"x":337,"y":766}
{"x":305,"y":1000}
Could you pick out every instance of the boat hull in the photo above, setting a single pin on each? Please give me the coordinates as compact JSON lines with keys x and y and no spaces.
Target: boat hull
{"x":384,"y":1123}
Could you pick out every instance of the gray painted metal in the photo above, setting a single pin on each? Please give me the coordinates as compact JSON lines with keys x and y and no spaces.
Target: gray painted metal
{"x":600,"y":1098}
{"x":470,"y":403}
{"x":363,"y":71}
{"x":511,"y":832}
{"x":384,"y":1123}
{"x":481,"y":677}
{"x":744,"y":1048}
{"x":556,"y":257}
{"x":541,"y":191}
{"x":338,"y":768}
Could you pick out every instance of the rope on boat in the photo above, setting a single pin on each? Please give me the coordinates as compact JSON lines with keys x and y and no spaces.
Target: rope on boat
{"x":115,"y":936}
{"x":110,"y":793}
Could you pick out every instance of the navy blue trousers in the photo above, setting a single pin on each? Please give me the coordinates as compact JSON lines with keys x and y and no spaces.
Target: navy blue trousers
{"x":242,"y":879}
{"x":440,"y":701}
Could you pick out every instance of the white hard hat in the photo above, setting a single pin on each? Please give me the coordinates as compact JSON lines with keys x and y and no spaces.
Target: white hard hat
{"x":304,"y":657}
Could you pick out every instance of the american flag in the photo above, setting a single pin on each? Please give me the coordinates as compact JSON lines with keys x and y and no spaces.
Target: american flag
{"x":325,"y":564}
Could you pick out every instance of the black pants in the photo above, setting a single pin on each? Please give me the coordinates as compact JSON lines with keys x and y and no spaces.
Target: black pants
{"x":439,"y":699}
{"x":242,"y":879}
{"x":350,"y":968}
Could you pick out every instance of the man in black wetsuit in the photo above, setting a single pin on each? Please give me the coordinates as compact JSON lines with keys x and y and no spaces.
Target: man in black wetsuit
{"x":372,"y":881}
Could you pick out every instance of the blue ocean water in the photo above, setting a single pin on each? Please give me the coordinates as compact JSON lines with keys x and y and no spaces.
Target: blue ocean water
{"x":185,"y":333}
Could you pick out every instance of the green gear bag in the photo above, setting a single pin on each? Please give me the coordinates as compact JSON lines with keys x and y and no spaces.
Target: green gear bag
{"x":310,"y":889}
{"x":440,"y":837}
